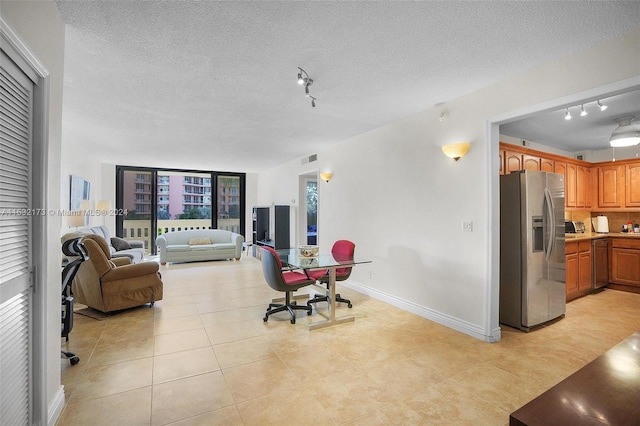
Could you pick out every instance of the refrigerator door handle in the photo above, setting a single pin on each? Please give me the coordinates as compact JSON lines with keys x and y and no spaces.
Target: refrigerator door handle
{"x":550,"y":217}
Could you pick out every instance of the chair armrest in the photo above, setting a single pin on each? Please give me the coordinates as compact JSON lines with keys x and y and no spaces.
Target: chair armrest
{"x":130,"y":271}
{"x":121,"y":261}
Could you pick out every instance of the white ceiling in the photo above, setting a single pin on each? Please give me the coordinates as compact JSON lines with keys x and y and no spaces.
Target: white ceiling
{"x":212,"y":85}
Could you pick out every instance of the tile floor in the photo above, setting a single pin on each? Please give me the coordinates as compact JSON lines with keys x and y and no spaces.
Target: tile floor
{"x":203,"y":356}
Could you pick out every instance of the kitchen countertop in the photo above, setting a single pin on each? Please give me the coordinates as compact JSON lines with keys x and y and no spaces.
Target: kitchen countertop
{"x":594,"y":236}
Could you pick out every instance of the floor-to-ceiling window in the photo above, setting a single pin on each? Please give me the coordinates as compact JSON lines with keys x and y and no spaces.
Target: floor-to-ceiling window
{"x":156,"y":201}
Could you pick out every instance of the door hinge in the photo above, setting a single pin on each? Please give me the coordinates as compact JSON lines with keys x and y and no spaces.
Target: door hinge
{"x":34,"y":279}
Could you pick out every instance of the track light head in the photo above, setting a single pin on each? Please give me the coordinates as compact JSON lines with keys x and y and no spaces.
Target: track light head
{"x":306,"y":91}
{"x":583,"y":112}
{"x":300,"y":79}
{"x":313,"y":101}
{"x":602,"y":107}
{"x":567,"y":116}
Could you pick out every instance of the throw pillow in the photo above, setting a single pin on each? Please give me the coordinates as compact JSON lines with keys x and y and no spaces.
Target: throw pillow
{"x":199,"y":241}
{"x":120,"y":244}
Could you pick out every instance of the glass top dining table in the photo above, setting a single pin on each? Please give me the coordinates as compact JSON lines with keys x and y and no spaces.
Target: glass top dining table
{"x":326,"y":261}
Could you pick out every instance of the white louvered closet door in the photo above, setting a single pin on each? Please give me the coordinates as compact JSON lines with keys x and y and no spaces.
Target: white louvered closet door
{"x":16,"y":115}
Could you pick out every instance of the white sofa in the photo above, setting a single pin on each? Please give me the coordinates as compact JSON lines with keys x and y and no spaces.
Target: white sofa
{"x":199,"y":244}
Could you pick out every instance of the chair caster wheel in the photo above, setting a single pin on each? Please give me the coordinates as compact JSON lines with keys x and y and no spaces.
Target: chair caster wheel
{"x":293,"y":321}
{"x":74,"y":360}
{"x":349,"y":305}
{"x":265,"y":319}
{"x":309,"y":313}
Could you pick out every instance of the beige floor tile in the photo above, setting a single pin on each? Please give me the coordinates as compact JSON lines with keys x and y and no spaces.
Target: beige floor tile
{"x":178,"y":365}
{"x":176,"y":311}
{"x":108,"y":351}
{"x":180,"y":341}
{"x":293,"y":406}
{"x":267,"y":376}
{"x":442,"y":406}
{"x":243,"y":352}
{"x":350,"y":394}
{"x":112,"y":379}
{"x":227,"y":416}
{"x":235,"y":331}
{"x":186,"y":398}
{"x":174,"y":325}
{"x":124,"y":408}
{"x":208,"y":306}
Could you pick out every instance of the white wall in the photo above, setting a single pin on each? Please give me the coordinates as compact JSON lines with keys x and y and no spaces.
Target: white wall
{"x":40,"y":27}
{"x":402,"y":201}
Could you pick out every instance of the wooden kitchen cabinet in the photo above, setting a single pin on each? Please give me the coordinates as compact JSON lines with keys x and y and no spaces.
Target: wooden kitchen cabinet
{"x":611,"y":187}
{"x":547,"y":165}
{"x":582,"y":183}
{"x":632,"y":185}
{"x":512,"y":162}
{"x":529,"y":162}
{"x":578,"y":267}
{"x":592,"y":187}
{"x":625,"y":262}
{"x":570,"y":181}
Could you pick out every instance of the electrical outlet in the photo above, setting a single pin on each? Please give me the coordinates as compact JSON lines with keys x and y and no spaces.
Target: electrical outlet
{"x":467,"y":226}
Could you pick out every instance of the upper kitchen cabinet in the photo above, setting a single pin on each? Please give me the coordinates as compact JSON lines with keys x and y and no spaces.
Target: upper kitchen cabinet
{"x":570,"y":182}
{"x":512,"y":161}
{"x":611,"y":189}
{"x":529,"y":162}
{"x":547,"y":165}
{"x":632,"y":185}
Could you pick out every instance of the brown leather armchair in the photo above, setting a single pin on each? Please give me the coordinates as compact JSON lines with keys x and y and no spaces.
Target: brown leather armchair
{"x":109,"y":284}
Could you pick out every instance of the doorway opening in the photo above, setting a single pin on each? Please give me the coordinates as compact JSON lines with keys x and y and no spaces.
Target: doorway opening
{"x":308,"y":217}
{"x":492,"y":325}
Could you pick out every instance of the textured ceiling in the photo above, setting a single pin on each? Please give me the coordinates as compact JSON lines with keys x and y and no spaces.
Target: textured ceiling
{"x":212,"y":85}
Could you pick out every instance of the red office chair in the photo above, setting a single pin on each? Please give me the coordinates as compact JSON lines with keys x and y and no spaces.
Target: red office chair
{"x":341,"y":250}
{"x":288,"y":282}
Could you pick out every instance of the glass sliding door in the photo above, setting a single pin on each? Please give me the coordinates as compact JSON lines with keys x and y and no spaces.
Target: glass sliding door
{"x":161,"y":200}
{"x":137,"y":195}
{"x":228,"y":203}
{"x":184,"y":201}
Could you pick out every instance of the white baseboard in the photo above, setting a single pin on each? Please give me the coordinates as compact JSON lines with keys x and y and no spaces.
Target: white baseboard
{"x":435,"y":316}
{"x":56,"y":407}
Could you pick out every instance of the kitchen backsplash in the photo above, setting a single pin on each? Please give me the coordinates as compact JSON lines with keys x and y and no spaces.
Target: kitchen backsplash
{"x":616,"y":219}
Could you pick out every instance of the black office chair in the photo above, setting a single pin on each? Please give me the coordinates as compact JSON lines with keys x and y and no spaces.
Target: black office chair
{"x":285,"y":281}
{"x":75,"y":249}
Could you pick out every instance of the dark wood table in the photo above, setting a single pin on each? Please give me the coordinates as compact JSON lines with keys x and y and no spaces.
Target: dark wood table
{"x":604,"y":392}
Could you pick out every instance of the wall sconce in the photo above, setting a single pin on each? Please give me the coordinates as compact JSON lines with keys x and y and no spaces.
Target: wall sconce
{"x":326,"y":176}
{"x":456,"y":150}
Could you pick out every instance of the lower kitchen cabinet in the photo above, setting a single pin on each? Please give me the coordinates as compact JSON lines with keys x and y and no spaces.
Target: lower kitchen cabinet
{"x":625,"y":264}
{"x":578,"y":264}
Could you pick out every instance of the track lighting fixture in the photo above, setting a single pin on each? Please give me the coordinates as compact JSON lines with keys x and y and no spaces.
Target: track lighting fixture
{"x":567,"y":116}
{"x":305,"y":80}
{"x":583,"y":112}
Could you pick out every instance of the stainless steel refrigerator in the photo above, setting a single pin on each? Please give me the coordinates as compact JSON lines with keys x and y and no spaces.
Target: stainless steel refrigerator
{"x":532,"y":254}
